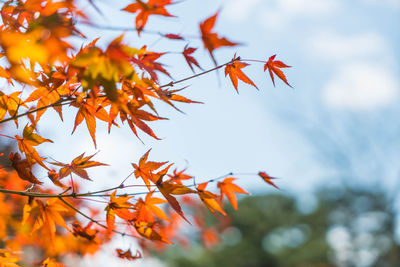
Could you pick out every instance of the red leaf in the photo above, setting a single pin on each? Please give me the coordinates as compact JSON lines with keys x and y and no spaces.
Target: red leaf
{"x":211,"y":40}
{"x":187,"y":51}
{"x":268,"y":179}
{"x":273,"y":67}
{"x":128,"y":255}
{"x":173,"y":36}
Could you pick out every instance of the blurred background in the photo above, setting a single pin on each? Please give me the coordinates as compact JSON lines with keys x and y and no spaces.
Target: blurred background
{"x":332,"y":140}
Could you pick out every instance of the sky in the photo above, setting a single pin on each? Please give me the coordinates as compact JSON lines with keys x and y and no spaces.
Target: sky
{"x":339,"y":125}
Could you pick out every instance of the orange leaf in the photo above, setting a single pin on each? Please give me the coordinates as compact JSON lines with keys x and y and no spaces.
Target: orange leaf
{"x":211,"y":40}
{"x":144,"y":10}
{"x":209,"y":199}
{"x":47,"y":216}
{"x":274,"y":66}
{"x":147,"y":230}
{"x":118,"y":206}
{"x":27,"y":143}
{"x":145,"y":168}
{"x":235,"y":73}
{"x":77,"y":166}
{"x":145,"y":209}
{"x":229,"y":189}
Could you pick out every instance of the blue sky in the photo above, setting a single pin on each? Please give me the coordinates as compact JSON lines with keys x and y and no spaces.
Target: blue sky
{"x":339,"y":124}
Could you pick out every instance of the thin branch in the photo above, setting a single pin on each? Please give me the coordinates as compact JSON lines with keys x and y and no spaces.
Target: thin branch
{"x":60,"y":102}
{"x":91,"y":219}
{"x":172,"y":83}
{"x":97,"y":193}
{"x":63,"y":102}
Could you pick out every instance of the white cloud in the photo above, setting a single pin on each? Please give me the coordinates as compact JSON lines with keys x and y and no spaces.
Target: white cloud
{"x":240,"y":10}
{"x":276,"y":15}
{"x":385,"y":3}
{"x":361,"y":86}
{"x":331,"y":46}
{"x":363,"y":76}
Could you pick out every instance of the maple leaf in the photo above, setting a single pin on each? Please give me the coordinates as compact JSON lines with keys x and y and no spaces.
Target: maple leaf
{"x":46,"y":98}
{"x":54,"y":177}
{"x":118,"y":206}
{"x":146,"y":208}
{"x":273,"y":67}
{"x":229,"y":189}
{"x":85,"y":232}
{"x":77,"y":166}
{"x":167,"y":189}
{"x":47,"y":215}
{"x":147,"y":230}
{"x":128,"y":254}
{"x":187,"y":53}
{"x":178,"y":176}
{"x":144,"y":10}
{"x":169,"y":95}
{"x":26,"y":145}
{"x":173,"y":36}
{"x":211,"y":40}
{"x":235,"y":72}
{"x":89,"y":112}
{"x":10,"y":103}
{"x":145,"y":168}
{"x":146,"y":60}
{"x":209,"y":199}
{"x":23,"y":168}
{"x":268,"y":179}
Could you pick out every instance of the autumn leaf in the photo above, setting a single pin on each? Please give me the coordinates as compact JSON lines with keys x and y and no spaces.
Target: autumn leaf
{"x":85,"y":232}
{"x":46,"y":215}
{"x":187,"y":53}
{"x":128,"y":254}
{"x":46,"y":98}
{"x":26,"y":144}
{"x":145,"y":168}
{"x":10,"y":103}
{"x":77,"y":166}
{"x":228,"y":189}
{"x":178,"y":176}
{"x":173,"y":36}
{"x":209,"y":199}
{"x":170,"y":95}
{"x":273,"y":67}
{"x":146,"y":208}
{"x":89,"y":111}
{"x":268,"y":179}
{"x":148,"y":231}
{"x":118,"y":206}
{"x":167,"y":189}
{"x":54,"y":177}
{"x":23,"y":168}
{"x":235,"y":72}
{"x":144,"y":10}
{"x":210,"y":39}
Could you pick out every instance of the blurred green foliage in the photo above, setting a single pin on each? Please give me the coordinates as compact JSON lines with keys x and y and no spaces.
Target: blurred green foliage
{"x":335,"y":227}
